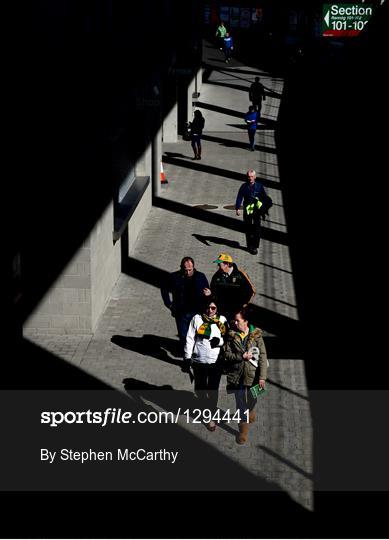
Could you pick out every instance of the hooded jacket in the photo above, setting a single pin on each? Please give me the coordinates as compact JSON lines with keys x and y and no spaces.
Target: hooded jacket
{"x":234,"y":364}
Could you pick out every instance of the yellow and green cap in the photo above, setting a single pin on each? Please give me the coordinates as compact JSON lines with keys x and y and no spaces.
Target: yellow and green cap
{"x":224,"y":257}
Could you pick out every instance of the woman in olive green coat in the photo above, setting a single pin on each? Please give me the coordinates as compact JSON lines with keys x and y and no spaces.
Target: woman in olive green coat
{"x":243,"y":370}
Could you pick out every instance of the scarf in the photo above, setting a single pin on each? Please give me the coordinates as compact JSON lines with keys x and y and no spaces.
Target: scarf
{"x":242,"y":335}
{"x":205,"y":329}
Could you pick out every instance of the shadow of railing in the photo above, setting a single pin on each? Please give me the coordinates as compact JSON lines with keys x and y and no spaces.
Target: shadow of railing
{"x":216,"y":171}
{"x":237,"y":144}
{"x":217,"y":219}
{"x":221,"y":110}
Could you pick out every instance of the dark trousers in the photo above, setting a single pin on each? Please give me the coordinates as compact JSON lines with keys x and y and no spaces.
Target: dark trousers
{"x":244,"y":401}
{"x":257,"y":104}
{"x":183,"y":322}
{"x":252,"y":225}
{"x":206,"y":384}
{"x":251,"y":133}
{"x":227,"y":53}
{"x":196,"y":144}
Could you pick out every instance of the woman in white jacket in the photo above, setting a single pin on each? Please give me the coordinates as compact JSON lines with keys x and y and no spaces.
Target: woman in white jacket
{"x":203,"y":342}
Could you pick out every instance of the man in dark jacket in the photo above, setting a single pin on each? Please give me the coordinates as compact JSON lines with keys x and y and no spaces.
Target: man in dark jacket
{"x":255,"y":205}
{"x":256,"y":94}
{"x":231,"y":286}
{"x":186,"y":286}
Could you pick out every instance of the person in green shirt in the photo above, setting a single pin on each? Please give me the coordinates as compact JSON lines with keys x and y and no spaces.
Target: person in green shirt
{"x":221,"y":34}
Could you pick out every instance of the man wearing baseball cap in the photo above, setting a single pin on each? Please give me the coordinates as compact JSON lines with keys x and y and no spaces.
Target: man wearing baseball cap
{"x":231,"y":286}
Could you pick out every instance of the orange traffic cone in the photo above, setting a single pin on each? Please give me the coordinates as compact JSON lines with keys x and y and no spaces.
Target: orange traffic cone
{"x":163,"y":177}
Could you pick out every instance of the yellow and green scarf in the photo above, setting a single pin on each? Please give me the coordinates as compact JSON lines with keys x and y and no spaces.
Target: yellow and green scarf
{"x":205,"y":329}
{"x":242,"y":335}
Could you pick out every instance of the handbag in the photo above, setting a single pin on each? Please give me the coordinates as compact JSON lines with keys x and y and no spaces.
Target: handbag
{"x":187,"y":133}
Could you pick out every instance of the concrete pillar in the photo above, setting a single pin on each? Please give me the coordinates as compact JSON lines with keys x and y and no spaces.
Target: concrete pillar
{"x":194,"y":89}
{"x":170,"y":125}
{"x":156,"y":162}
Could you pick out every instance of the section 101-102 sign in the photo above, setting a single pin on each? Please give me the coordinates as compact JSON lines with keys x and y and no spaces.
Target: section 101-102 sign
{"x":345,"y":19}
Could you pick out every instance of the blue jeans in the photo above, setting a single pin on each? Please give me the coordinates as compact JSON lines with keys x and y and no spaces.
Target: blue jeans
{"x":196,"y":144}
{"x":244,"y":400}
{"x":251,"y":133}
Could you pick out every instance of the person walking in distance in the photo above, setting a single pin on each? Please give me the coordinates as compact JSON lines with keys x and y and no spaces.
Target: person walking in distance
{"x":256,"y":94}
{"x":197,"y":127}
{"x":251,"y":118}
{"x":228,"y":47}
{"x":183,"y":293}
{"x":231,"y":286}
{"x":254,"y":198}
{"x":245,"y":361}
{"x":221,"y":34}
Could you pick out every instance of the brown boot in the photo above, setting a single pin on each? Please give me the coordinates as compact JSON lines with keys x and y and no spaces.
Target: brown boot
{"x":252,"y":416}
{"x":243,"y":433}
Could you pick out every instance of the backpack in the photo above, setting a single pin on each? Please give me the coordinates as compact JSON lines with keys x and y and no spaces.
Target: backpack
{"x":267,"y":203}
{"x":187,"y":132}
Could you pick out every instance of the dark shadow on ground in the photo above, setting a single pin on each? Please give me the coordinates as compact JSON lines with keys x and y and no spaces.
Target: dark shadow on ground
{"x":230,"y":85}
{"x":177,"y":155}
{"x":238,"y":126}
{"x":216,"y":240}
{"x":217,"y":219}
{"x":252,"y":74}
{"x":268,"y":92}
{"x":277,"y":300}
{"x":221,"y":110}
{"x":216,"y":171}
{"x":275,"y":267}
{"x":237,"y":144}
{"x":233,"y":74}
{"x":283,"y":327}
{"x":33,"y":367}
{"x":307,"y":475}
{"x":286,"y":389}
{"x":164,"y":396}
{"x":144,"y":272}
{"x":151,"y":345}
{"x":264,"y":123}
